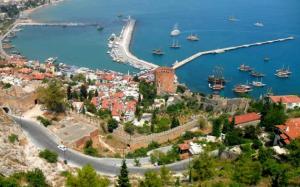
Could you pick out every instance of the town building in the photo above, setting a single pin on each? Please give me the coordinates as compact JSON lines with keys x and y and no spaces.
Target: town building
{"x":289,"y":101}
{"x":165,"y":80}
{"x":288,"y":131}
{"x":245,"y":119}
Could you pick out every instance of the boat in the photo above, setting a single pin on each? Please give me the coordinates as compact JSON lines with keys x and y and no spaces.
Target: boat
{"x":258,"y":24}
{"x":17,"y":29}
{"x":216,"y":87}
{"x":217,"y":76}
{"x":112,"y":37}
{"x":284,"y":70}
{"x":282,"y":74}
{"x":51,"y":60}
{"x":267,"y":59}
{"x":258,"y":83}
{"x":240,"y":89}
{"x":232,"y":18}
{"x":192,"y":37}
{"x":157,"y":52}
{"x":244,"y":68}
{"x":100,"y":28}
{"x":256,"y":74}
{"x":175,"y":45}
{"x":175,"y":31}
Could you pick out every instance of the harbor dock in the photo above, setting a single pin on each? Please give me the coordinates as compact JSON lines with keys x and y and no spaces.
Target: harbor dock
{"x":223,"y":50}
{"x":15,"y":26}
{"x":120,"y":48}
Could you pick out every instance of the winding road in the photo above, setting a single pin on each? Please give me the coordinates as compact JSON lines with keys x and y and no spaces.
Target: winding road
{"x":43,"y":138}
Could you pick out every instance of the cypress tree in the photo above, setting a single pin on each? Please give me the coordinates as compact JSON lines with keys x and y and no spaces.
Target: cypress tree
{"x":123,"y":179}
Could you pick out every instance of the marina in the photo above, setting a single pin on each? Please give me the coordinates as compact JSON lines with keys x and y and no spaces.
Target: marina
{"x":4,"y":41}
{"x":120,"y":48}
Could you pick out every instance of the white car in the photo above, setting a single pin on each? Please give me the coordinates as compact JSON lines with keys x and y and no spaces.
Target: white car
{"x":62,"y":147}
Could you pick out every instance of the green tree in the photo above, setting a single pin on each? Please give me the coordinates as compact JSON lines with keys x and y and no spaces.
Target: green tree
{"x":48,"y":155}
{"x":203,"y":167}
{"x":89,"y":149}
{"x":123,"y":179}
{"x":12,"y":138}
{"x":83,"y":92}
{"x":234,"y":137}
{"x":36,"y":178}
{"x":273,"y":115}
{"x":294,"y":152}
{"x":129,"y":128}
{"x":247,"y":171}
{"x":148,"y":90}
{"x":166,"y":176}
{"x":250,"y":132}
{"x":137,"y":162}
{"x":52,"y":96}
{"x":277,"y":172}
{"x":69,"y":92}
{"x":264,"y":154}
{"x":151,"y":180}
{"x":217,"y":125}
{"x":91,"y":94}
{"x":175,"y":122}
{"x":86,"y":177}
{"x":112,"y":124}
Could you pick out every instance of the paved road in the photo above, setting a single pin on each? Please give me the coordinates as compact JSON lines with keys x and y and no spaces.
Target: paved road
{"x":43,"y":138}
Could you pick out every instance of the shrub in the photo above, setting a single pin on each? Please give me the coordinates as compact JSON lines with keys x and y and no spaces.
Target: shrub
{"x":12,"y":138}
{"x":129,"y":128}
{"x":89,"y":149}
{"x":112,"y":124}
{"x":44,"y":121}
{"x":48,"y":155}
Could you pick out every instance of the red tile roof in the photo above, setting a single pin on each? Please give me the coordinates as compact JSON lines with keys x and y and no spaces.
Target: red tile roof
{"x":38,"y":76}
{"x":285,"y":99}
{"x":245,"y":118}
{"x":290,"y":130}
{"x":105,"y":103}
{"x":184,"y":146}
{"x":95,"y":101}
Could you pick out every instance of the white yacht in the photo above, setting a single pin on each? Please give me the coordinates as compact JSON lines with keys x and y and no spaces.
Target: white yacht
{"x":258,"y":83}
{"x":258,"y":24}
{"x":232,"y":18}
{"x":175,"y":31}
{"x":51,"y":60}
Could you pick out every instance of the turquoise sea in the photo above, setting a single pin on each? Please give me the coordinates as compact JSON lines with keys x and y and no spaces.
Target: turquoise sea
{"x":85,"y":46}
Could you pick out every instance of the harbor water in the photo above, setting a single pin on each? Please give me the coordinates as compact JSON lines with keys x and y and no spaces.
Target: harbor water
{"x":86,"y":46}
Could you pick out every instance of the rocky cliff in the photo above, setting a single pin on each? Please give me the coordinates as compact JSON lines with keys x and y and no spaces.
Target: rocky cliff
{"x":18,"y":153}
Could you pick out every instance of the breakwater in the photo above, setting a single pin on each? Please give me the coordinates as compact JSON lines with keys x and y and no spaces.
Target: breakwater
{"x":120,"y":48}
{"x":223,"y":50}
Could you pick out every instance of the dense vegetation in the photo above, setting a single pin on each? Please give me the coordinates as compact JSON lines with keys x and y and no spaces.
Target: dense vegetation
{"x":48,"y":155}
{"x":34,"y":178}
{"x":44,"y":121}
{"x":89,"y":149}
{"x":53,"y":96}
{"x":86,"y":177}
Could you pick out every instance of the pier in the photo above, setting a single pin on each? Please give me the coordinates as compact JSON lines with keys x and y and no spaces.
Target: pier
{"x":120,"y":48}
{"x":223,"y":50}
